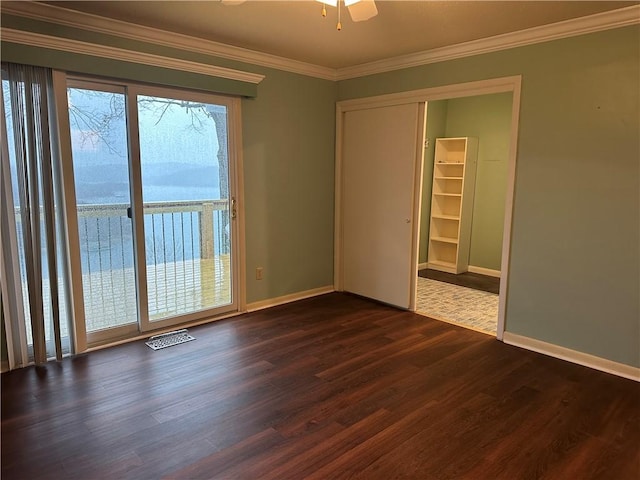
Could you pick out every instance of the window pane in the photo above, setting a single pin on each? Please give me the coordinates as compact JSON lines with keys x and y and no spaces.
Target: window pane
{"x":184,"y":160}
{"x":101,"y":170}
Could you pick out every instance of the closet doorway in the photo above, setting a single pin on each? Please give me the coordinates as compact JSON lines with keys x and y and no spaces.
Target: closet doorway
{"x":469,"y":295}
{"x":343,"y":250}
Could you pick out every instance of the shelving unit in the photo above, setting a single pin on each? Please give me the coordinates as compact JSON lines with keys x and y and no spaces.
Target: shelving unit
{"x":454,"y":173}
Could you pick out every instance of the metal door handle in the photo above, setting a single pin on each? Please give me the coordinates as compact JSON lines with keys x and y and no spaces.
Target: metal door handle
{"x":234,"y":211}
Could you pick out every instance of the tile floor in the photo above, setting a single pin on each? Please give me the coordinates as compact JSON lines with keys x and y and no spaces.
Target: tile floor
{"x":462,"y":306}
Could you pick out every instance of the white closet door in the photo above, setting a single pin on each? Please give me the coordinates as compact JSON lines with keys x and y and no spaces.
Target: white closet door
{"x":379,"y":165}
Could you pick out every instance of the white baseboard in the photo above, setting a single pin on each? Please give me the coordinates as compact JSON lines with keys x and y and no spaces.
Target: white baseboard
{"x":484,"y":271}
{"x":272,"y":302}
{"x":422,"y":266}
{"x":585,"y":359}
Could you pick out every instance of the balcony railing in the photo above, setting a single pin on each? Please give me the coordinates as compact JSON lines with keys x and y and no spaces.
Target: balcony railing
{"x":184,"y":229}
{"x":187,"y":260}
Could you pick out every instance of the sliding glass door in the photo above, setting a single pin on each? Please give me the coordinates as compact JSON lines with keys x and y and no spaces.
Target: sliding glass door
{"x":154,"y":196}
{"x":186,"y":205}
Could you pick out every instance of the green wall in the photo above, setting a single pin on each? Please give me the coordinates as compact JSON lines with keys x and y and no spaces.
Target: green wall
{"x":288,"y":139}
{"x":574,"y":275}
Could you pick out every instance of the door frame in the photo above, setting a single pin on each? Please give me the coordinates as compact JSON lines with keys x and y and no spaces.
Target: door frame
{"x":468,"y":89}
{"x":82,"y":341}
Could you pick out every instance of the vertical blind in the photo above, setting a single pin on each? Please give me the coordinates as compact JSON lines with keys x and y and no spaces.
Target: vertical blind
{"x":34,"y":293}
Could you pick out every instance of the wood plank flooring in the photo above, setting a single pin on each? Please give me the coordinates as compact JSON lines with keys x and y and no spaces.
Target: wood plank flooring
{"x":476,"y":281}
{"x":326,"y":388}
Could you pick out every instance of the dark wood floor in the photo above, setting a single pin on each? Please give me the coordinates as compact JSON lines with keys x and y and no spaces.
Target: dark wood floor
{"x":326,"y":388}
{"x":476,"y":281}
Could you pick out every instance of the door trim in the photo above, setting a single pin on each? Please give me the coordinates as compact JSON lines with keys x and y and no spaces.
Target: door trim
{"x":74,"y":269}
{"x":417,"y":201}
{"x":82,"y":340}
{"x":236,"y":174}
{"x":468,"y":89}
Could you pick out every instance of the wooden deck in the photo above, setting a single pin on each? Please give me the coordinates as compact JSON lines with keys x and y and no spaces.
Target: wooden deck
{"x":173,"y":289}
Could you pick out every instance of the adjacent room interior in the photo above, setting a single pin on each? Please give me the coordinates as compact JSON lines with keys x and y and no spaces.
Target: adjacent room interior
{"x":467,"y":296}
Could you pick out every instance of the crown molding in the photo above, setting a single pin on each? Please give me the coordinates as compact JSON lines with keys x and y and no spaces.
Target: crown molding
{"x":75,"y":46}
{"x":545,"y":33}
{"x":94,"y":23}
{"x":119,"y":28}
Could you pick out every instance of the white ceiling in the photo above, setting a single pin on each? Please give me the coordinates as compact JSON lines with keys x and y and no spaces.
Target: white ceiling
{"x":296,"y":30}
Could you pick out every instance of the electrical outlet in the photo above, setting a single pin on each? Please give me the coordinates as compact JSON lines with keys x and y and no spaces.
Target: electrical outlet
{"x":259,"y":273}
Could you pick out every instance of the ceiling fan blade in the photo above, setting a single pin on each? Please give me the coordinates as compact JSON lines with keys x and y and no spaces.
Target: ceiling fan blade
{"x":232,"y":2}
{"x":362,"y":10}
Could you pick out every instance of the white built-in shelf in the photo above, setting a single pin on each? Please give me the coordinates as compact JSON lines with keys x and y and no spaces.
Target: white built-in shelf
{"x":454,"y":176}
{"x":440,"y":263}
{"x":444,"y":239}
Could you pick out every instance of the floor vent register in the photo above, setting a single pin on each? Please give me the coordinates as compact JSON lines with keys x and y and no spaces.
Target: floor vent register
{"x":169,"y":339}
